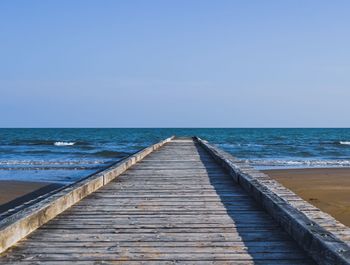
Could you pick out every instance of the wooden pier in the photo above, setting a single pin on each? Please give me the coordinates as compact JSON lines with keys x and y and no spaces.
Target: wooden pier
{"x":181,"y":201}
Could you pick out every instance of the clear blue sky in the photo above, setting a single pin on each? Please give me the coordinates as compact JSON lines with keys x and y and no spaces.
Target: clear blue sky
{"x":174,"y":63}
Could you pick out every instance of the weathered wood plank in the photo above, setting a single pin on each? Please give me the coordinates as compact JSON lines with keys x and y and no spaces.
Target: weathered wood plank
{"x":166,"y":262}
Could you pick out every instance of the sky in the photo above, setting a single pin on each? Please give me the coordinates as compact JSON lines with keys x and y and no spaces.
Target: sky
{"x":174,"y":63}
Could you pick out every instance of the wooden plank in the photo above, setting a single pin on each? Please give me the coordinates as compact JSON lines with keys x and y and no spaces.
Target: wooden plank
{"x":190,"y":256}
{"x":165,"y":262}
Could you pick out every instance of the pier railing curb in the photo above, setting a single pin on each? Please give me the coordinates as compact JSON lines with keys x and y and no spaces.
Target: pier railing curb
{"x":320,"y":237}
{"x":22,"y":223}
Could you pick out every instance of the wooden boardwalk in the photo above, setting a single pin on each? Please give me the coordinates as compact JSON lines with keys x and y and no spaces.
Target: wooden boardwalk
{"x":176,"y":206}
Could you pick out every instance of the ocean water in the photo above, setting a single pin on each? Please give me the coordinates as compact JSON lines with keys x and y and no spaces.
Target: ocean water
{"x":66,"y":155}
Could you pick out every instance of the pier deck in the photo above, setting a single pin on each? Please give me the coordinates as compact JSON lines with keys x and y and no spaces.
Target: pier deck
{"x":176,"y":206}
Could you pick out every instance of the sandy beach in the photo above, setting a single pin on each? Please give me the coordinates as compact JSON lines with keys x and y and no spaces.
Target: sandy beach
{"x":13,"y":193}
{"x":326,"y":188}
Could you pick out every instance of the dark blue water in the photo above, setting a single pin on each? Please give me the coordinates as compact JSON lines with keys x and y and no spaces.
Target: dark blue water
{"x":65,"y":155}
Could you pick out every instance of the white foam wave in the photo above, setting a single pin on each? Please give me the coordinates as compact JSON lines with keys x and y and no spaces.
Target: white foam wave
{"x":229,"y":146}
{"x":299,"y":163}
{"x":64,"y":143}
{"x":345,"y":142}
{"x":48,"y":162}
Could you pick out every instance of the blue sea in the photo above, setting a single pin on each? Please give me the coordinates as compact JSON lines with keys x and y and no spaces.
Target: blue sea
{"x":66,"y":155}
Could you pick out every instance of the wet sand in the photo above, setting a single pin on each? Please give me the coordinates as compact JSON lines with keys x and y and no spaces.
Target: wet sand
{"x":326,"y":188}
{"x":14,"y":193}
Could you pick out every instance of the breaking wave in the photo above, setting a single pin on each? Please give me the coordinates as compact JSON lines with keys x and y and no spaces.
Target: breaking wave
{"x":299,"y":163}
{"x":64,"y":143}
{"x":48,"y":162}
{"x":34,"y":142}
{"x":37,"y":168}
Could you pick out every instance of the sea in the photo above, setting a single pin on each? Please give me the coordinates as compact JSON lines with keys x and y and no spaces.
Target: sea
{"x":67,"y":155}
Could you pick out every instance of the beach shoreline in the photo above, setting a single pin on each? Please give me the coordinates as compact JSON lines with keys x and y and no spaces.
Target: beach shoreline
{"x":326,"y":188}
{"x":14,"y":193}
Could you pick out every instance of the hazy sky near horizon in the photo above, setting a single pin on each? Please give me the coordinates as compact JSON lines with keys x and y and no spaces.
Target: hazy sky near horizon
{"x":174,"y":63}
